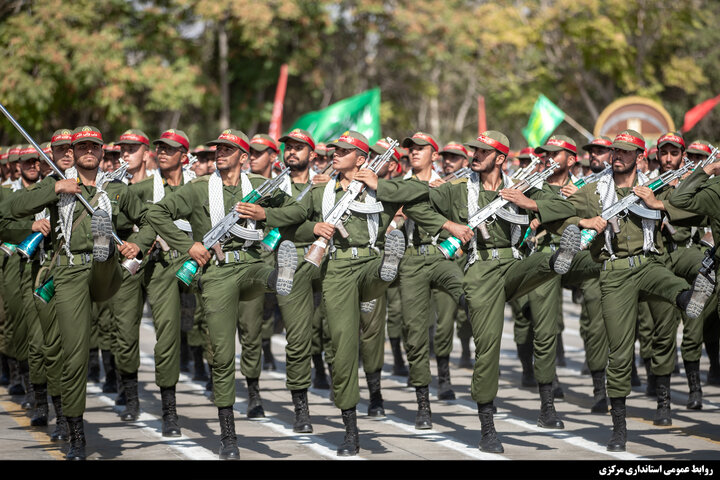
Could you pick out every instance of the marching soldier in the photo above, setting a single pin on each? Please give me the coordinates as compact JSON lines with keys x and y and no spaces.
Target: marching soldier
{"x":85,"y":267}
{"x":495,"y":271}
{"x":236,"y":274}
{"x":631,"y":268}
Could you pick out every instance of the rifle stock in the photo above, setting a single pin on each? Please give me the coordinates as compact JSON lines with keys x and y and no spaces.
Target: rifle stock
{"x":316,"y":252}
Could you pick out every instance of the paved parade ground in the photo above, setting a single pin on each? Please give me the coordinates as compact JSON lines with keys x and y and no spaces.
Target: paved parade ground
{"x":694,"y":435}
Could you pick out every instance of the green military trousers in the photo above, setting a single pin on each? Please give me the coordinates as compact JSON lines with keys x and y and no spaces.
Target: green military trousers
{"x":298,"y":309}
{"x":223,"y":287}
{"x":686,"y":262}
{"x":622,"y":287}
{"x":14,"y":327}
{"x":52,"y":344}
{"x":489,"y":283}
{"x":372,"y":336}
{"x":127,"y":309}
{"x":35,"y":338}
{"x":419,"y":275}
{"x":76,"y":288}
{"x":394,"y":310}
{"x":163,"y":293}
{"x":347,"y":282}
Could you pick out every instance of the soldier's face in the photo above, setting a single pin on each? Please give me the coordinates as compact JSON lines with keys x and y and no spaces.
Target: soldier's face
{"x":421,"y":157}
{"x":169,"y":157}
{"x":297,"y":155}
{"x":134,"y":155}
{"x":88,"y":155}
{"x":260,"y":162}
{"x":202,"y":166}
{"x":228,"y":157}
{"x":562,"y":157}
{"x":63,"y":156}
{"x":345,"y":159}
{"x":30,"y":170}
{"x":598,"y":157}
{"x":452,"y":162}
{"x":696,"y":157}
{"x":483,"y":160}
{"x":670,"y":157}
{"x":624,"y":161}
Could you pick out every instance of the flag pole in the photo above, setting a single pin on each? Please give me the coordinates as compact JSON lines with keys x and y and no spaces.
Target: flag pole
{"x":578,"y":127}
{"x":276,"y":120}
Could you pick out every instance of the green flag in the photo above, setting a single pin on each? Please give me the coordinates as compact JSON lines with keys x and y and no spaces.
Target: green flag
{"x":360,"y":113}
{"x":544,"y":119}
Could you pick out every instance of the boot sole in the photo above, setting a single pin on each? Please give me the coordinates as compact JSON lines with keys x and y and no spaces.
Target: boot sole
{"x":287,"y":263}
{"x":615,"y":449}
{"x":394,"y":251}
{"x":101,"y":227}
{"x":569,"y":246}
{"x":368,"y":307}
{"x":702,"y":289}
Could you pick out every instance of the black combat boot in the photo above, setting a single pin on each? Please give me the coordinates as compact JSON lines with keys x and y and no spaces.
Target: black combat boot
{"x":28,"y":402}
{"x":200,"y":374}
{"x":16,"y":385}
{"x":94,"y":366}
{"x":548,"y":416}
{"x":651,"y":389}
{"x":255,"y":408}
{"x":692,"y":371}
{"x":77,"y":439}
{"x":351,"y":443}
{"x":525,"y":354}
{"x":489,"y":441}
{"x":560,"y":352}
{"x":712,"y":348}
{"x":399,"y":367}
{"x":170,"y":426}
{"x":466,"y":360}
{"x":619,"y":434}
{"x":4,"y":370}
{"x":268,"y":359}
{"x":320,"y":380}
{"x":40,"y":418}
{"x":132,"y":402}
{"x":445,"y":391}
{"x":599,"y":396}
{"x":184,"y":353}
{"x":120,"y":398}
{"x":634,"y":377}
{"x":375,"y":409}
{"x":585,"y":368}
{"x":228,"y":439}
{"x":557,"y":388}
{"x":61,"y":432}
{"x":423,"y":419}
{"x":108,"y":360}
{"x":662,"y":414}
{"x":302,"y":412}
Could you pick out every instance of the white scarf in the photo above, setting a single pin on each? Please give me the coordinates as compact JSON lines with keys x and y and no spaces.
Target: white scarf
{"x":473,"y":187}
{"x":217,"y":203}
{"x":410,"y":223}
{"x":606,"y":190}
{"x":370,"y":208}
{"x":16,"y":184}
{"x":159,"y":194}
{"x":66,"y":207}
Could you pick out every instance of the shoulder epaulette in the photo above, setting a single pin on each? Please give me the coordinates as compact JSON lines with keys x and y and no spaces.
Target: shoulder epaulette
{"x":204,"y":178}
{"x":459,"y":180}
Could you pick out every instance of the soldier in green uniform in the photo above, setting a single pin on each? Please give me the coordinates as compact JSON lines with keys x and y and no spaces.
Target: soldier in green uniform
{"x":495,"y":271}
{"x":632,"y":267}
{"x":425,"y":271}
{"x":81,"y":277}
{"x":238,"y":272}
{"x":356,"y":270}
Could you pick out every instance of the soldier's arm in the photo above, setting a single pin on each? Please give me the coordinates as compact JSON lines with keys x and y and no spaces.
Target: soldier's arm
{"x":136,"y":210}
{"x":305,"y":231}
{"x":425,"y":216}
{"x":677,"y":215}
{"x":697,"y":195}
{"x":550,"y":206}
{"x":33,"y":199}
{"x":284,"y":211}
{"x":582,"y":202}
{"x":174,"y":206}
{"x":402,"y":191}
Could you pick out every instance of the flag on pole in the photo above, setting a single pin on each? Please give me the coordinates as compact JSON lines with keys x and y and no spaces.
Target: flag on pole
{"x":276,"y":120}
{"x":695,"y":114}
{"x":544,"y":119}
{"x":360,"y":113}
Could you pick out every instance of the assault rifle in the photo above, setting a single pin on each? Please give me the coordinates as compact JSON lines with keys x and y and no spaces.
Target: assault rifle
{"x":631,"y":203}
{"x":227,"y":227}
{"x":495,"y":209}
{"x":337,"y":214}
{"x":711,"y":158}
{"x":525,"y":172}
{"x":462,"y":173}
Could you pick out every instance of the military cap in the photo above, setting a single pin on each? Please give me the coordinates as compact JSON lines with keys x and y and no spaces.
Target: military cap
{"x":111,"y":147}
{"x":455,"y":148}
{"x":233,"y":138}
{"x":133,"y":137}
{"x":62,"y":136}
{"x":557,"y":143}
{"x":525,"y":153}
{"x":3,"y":155}
{"x":673,"y":138}
{"x":28,"y":152}
{"x":14,"y":153}
{"x":174,"y":138}
{"x":652,"y":154}
{"x":45,"y":146}
{"x":601,"y":141}
{"x":204,"y":149}
{"x":352,"y":139}
{"x":382,"y":146}
{"x":585,"y":160}
{"x":629,"y":140}
{"x":321,"y":150}
{"x":404,"y":152}
{"x":301,"y":136}
{"x":87,"y":133}
{"x":262,"y":142}
{"x":491,"y":140}
{"x":701,"y":147}
{"x":420,"y":138}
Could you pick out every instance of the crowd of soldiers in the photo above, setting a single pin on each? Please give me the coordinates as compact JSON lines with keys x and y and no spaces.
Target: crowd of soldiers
{"x":407,"y":257}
